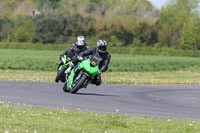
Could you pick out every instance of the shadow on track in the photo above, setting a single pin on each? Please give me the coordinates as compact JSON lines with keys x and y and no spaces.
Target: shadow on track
{"x":93,"y":94}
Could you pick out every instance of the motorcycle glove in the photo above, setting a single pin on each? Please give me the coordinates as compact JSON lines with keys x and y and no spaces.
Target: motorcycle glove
{"x":79,"y":58}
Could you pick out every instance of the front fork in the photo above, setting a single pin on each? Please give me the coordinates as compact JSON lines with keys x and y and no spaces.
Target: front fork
{"x":59,"y":64}
{"x":76,"y":72}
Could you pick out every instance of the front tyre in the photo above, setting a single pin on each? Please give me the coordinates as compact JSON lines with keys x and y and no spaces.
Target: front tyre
{"x":79,"y":84}
{"x":60,"y":73}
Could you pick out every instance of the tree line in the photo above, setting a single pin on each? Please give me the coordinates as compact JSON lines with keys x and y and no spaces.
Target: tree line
{"x":131,"y":23}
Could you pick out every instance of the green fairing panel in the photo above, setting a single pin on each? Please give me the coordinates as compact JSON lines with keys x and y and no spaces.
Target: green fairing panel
{"x":65,"y":65}
{"x":70,"y":80}
{"x":85,"y":65}
{"x":65,"y":57}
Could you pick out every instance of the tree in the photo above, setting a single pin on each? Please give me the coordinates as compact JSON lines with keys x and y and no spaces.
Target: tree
{"x":190,"y":35}
{"x":23,"y":30}
{"x":49,"y":27}
{"x":8,"y":7}
{"x":173,"y":19}
{"x":6,"y":26}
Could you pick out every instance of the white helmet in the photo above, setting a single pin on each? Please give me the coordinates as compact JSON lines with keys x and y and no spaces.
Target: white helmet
{"x":80,"y":38}
{"x":80,"y":44}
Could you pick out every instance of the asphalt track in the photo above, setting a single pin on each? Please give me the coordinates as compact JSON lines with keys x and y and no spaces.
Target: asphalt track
{"x":166,"y":102}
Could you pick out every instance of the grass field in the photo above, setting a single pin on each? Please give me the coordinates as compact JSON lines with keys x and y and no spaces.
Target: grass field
{"x":34,"y":120}
{"x":130,"y":78}
{"x":30,"y":65}
{"x":46,"y":61}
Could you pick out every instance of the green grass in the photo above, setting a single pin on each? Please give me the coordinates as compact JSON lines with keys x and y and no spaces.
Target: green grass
{"x":46,"y":61}
{"x":139,"y":63}
{"x":152,"y":78}
{"x":131,"y":78}
{"x":35,"y":120}
{"x":30,"y":65}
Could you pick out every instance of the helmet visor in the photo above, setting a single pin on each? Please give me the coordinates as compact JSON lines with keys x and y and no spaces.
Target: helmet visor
{"x":102,"y":49}
{"x":80,"y":43}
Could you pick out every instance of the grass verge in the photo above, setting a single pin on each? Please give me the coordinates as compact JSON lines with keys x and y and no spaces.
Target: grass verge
{"x":35,"y":120}
{"x":131,"y":78}
{"x":46,"y":61}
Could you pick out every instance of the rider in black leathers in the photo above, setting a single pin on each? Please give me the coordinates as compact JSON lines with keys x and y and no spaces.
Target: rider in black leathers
{"x":79,"y":46}
{"x":100,"y":51}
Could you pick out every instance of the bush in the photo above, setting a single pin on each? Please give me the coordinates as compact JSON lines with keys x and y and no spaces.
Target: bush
{"x":138,"y":43}
{"x":114,"y":41}
{"x":23,"y":30}
{"x":164,"y":51}
{"x":49,"y":28}
{"x":33,"y":46}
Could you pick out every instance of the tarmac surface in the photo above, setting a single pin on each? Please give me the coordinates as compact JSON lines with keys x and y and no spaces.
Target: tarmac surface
{"x":165,"y":102}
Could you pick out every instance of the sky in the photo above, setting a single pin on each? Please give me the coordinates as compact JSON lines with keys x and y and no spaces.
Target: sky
{"x":158,"y":3}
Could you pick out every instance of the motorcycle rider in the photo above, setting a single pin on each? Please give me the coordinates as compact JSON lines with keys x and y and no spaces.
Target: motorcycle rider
{"x":79,"y":46}
{"x":100,"y":51}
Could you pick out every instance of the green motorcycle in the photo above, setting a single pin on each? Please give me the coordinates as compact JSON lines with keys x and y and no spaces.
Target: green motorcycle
{"x":62,"y":67}
{"x":82,"y":74}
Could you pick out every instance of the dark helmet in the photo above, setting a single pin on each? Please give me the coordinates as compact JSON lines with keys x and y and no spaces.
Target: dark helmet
{"x":101,"y":46}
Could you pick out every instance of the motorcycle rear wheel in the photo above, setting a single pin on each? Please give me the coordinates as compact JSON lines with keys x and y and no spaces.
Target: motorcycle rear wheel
{"x":59,"y":74}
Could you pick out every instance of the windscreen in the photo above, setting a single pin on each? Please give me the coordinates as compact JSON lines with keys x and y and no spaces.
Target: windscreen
{"x":95,"y":60}
{"x":70,"y":55}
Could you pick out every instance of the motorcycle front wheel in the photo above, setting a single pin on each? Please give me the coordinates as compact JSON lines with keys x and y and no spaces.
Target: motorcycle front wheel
{"x":79,"y":84}
{"x":65,"y":88}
